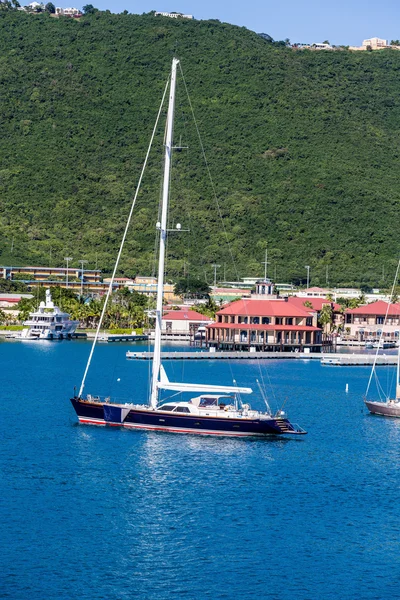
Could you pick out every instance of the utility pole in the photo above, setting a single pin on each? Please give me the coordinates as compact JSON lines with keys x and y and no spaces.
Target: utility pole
{"x":215,"y":273}
{"x":327,"y":278}
{"x":265,"y":263}
{"x":82,"y":263}
{"x":67,"y":260}
{"x":308,"y":275}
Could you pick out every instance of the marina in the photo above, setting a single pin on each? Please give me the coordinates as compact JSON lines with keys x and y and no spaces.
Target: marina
{"x":95,"y":482}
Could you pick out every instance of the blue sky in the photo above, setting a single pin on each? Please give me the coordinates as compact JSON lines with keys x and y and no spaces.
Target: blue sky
{"x":339,"y":21}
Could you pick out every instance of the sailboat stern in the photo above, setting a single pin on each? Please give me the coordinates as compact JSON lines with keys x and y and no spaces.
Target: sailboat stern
{"x":285,"y":427}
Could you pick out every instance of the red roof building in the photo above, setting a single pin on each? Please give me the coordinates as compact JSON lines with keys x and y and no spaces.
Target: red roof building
{"x":264,"y":325}
{"x":183,"y":321}
{"x":370,"y":320}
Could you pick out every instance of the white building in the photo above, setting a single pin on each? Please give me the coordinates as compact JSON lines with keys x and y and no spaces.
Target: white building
{"x":183,"y":321}
{"x":321,"y":46}
{"x":375,"y":43}
{"x":173,"y":15}
{"x":35,"y":6}
{"x":67,"y":12}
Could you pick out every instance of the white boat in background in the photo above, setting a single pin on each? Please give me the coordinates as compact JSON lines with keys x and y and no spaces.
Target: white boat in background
{"x":383,"y":345}
{"x":48,"y":322}
{"x":325,"y":360}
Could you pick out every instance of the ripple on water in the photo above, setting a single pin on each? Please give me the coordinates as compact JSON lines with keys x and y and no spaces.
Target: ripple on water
{"x":95,"y":513}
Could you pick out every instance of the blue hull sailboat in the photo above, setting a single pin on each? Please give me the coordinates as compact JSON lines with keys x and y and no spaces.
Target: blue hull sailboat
{"x":211,"y":409}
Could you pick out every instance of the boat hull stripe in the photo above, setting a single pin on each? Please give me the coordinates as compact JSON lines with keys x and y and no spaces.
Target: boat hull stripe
{"x":171,"y":429}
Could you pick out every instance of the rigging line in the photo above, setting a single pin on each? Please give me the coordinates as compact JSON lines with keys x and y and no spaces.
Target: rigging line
{"x":209,"y":172}
{"x":122,"y":243}
{"x":215,"y":195}
{"x":384,"y":323}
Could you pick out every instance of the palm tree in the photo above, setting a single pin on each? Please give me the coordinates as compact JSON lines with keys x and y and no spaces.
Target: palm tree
{"x":326,"y":317}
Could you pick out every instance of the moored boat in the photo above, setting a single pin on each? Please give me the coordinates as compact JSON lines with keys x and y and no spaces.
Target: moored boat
{"x":389,"y":407}
{"x":48,"y":322}
{"x":219,"y":409}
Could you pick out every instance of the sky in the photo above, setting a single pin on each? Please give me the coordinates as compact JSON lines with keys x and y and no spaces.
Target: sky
{"x":346,"y":22}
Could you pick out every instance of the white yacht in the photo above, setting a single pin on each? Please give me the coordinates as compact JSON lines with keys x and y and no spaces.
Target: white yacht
{"x":48,"y":322}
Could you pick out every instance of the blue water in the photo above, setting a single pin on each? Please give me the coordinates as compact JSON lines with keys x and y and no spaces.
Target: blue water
{"x":89,"y":512}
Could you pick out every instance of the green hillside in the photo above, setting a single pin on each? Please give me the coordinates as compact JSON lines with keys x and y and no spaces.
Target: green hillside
{"x":303,"y":148}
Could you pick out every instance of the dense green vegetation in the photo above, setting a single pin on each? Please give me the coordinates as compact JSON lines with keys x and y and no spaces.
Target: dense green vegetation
{"x":126,"y":310}
{"x":303,"y":148}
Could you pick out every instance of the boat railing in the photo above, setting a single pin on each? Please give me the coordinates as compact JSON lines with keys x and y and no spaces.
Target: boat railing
{"x":295,"y":428}
{"x":108,"y":399}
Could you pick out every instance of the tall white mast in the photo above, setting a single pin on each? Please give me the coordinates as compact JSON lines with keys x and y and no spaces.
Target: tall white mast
{"x":163,"y":236}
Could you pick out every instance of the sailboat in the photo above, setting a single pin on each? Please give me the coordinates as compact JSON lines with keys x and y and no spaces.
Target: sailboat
{"x":215,"y":409}
{"x":391,"y":406}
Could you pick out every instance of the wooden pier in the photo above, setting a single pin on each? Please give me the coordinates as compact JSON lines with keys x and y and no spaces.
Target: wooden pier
{"x":331,"y":359}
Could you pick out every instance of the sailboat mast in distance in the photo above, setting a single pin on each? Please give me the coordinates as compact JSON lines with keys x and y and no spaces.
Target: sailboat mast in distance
{"x":163,"y":235}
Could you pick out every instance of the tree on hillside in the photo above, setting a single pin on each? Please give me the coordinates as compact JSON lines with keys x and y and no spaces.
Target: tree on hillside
{"x":190,"y":287}
{"x":50,"y":8}
{"x":89,"y":9}
{"x":7,"y":4}
{"x":7,"y":285}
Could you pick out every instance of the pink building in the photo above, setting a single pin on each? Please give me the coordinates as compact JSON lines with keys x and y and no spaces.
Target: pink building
{"x":367,"y":322}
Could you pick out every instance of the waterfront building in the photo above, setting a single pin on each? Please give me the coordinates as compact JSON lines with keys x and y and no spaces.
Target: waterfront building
{"x":265,"y":325}
{"x":9,"y":303}
{"x":313,"y":305}
{"x":183,"y":322}
{"x":368,"y":321}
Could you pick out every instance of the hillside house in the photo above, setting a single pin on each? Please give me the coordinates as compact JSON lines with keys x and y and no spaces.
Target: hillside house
{"x":173,"y":15}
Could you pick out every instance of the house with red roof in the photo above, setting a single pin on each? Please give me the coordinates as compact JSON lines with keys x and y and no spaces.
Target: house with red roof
{"x":265,"y":325}
{"x":316,"y":305}
{"x":370,"y":320}
{"x":183,"y":321}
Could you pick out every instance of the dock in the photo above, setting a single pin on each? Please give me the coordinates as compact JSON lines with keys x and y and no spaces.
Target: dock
{"x":331,"y":359}
{"x":358,"y":360}
{"x":207,"y":355}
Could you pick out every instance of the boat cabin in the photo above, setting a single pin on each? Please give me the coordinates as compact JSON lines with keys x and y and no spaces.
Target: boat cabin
{"x":216,"y":402}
